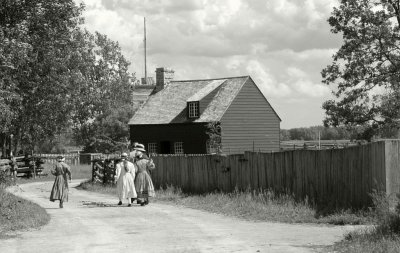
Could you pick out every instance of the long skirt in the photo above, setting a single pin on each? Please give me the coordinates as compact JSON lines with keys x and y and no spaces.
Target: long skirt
{"x":60,"y":189}
{"x":144,"y":185}
{"x":126,"y":187}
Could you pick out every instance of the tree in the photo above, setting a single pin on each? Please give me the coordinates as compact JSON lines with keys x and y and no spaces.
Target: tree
{"x":54,"y":74}
{"x":107,"y":133}
{"x":214,"y":143}
{"x":365,"y":70}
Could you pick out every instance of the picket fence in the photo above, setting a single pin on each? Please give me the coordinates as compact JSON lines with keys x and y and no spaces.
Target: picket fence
{"x":339,"y":177}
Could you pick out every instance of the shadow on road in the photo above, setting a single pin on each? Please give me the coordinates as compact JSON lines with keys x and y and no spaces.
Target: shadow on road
{"x":92,"y":204}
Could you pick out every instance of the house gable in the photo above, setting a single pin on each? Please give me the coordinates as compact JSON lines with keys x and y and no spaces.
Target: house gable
{"x":250,"y":123}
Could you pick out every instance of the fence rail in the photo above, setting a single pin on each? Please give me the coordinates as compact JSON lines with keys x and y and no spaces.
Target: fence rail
{"x":72,"y":159}
{"x":340,"y":177}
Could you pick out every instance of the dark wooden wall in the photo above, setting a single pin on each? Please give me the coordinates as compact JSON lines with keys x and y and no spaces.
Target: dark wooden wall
{"x":193,"y":135}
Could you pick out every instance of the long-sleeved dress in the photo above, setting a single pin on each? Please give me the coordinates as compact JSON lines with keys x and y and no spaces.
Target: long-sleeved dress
{"x":60,"y":186}
{"x":125,"y":173}
{"x":144,"y":184}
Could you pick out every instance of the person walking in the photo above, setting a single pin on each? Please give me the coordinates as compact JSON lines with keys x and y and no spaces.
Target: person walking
{"x":125,"y":173}
{"x":60,"y":187}
{"x":144,"y":184}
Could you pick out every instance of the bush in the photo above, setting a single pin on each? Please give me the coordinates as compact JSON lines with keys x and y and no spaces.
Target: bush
{"x":387,"y":218}
{"x":5,"y":179}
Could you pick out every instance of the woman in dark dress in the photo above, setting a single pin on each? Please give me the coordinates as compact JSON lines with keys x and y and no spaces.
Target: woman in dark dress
{"x":60,"y":186}
{"x":143,"y":183}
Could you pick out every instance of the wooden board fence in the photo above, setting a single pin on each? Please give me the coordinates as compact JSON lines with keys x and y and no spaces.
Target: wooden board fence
{"x":340,"y":177}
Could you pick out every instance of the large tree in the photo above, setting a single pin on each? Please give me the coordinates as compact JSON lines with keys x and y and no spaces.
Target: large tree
{"x":366,"y":69}
{"x":55,"y":74}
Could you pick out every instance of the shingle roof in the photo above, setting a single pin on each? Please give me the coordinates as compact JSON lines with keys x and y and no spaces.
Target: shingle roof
{"x":169,"y":104}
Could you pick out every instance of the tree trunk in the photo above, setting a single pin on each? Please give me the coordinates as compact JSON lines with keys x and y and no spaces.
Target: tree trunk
{"x":17,"y":140}
{"x":3,"y":143}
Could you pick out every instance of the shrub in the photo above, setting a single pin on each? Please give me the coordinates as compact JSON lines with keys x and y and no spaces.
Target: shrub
{"x":387,"y":218}
{"x":5,"y":179}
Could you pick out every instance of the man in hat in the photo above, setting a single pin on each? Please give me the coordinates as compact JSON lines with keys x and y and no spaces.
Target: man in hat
{"x":125,"y":173}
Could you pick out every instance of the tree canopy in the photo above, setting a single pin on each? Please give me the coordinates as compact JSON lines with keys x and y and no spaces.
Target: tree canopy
{"x":53,"y":73}
{"x":365,"y":70}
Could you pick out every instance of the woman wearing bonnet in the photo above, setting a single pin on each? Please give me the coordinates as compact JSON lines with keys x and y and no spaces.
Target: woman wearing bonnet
{"x":144,"y":184}
{"x":60,"y":187}
{"x":125,"y":177}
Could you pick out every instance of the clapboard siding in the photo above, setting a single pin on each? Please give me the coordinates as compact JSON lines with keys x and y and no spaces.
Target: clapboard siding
{"x":250,"y":123}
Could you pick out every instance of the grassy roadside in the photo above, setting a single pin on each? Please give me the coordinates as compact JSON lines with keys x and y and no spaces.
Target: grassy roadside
{"x":384,"y":237}
{"x":257,"y":206}
{"x":20,"y":214}
{"x":17,"y":213}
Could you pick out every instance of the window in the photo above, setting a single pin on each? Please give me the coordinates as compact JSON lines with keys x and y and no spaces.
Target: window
{"x":193,"y":108}
{"x":178,"y":147}
{"x":152,"y":148}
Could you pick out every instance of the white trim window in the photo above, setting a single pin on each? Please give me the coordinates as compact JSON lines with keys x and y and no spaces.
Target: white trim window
{"x":178,"y":148}
{"x":152,"y":148}
{"x":193,"y":108}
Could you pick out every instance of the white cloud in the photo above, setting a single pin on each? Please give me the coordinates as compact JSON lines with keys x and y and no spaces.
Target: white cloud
{"x":282,"y":44}
{"x":266,"y":81}
{"x":302,"y":83}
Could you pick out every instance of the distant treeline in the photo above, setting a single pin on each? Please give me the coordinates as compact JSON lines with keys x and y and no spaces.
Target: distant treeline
{"x":329,"y":133}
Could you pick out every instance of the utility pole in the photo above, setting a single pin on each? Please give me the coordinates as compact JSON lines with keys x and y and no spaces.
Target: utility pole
{"x":145,"y":60}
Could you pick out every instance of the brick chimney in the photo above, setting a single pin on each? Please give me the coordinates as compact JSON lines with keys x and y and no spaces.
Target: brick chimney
{"x":163,"y":77}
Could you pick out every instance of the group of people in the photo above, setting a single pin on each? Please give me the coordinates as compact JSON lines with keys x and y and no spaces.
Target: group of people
{"x":133,"y":178}
{"x":132,"y":175}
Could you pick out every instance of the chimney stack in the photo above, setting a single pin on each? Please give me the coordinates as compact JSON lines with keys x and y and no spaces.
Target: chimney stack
{"x":163,"y":77}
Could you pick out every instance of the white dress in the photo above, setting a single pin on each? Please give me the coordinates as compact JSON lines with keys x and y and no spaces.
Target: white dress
{"x":125,"y":173}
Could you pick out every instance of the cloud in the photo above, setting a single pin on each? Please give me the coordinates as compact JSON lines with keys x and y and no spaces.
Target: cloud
{"x":266,"y":82}
{"x":282,"y":44}
{"x":302,"y":84}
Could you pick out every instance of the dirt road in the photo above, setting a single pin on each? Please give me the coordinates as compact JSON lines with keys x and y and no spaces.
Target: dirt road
{"x":92,"y":222}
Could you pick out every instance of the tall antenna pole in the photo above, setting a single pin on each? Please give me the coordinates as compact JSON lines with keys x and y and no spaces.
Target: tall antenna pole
{"x":145,"y":60}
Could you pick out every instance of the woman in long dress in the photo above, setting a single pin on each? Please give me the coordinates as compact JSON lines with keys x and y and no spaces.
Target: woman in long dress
{"x":125,"y":173}
{"x":144,"y":184}
{"x":60,"y":187}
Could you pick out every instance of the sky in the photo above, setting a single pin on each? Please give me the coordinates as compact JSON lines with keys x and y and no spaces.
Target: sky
{"x":282,"y":44}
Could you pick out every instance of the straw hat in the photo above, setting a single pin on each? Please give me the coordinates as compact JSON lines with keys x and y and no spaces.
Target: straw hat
{"x":140,"y":147}
{"x":124,"y":155}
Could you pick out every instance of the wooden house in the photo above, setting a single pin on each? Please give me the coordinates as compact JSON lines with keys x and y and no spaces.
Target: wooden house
{"x":176,"y":117}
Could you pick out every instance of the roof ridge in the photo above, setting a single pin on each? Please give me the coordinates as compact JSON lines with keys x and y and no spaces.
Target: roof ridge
{"x":209,"y":79}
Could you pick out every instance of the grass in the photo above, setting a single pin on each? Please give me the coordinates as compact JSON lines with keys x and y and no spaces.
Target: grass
{"x":17,"y":213}
{"x":384,"y":236}
{"x":257,"y":206}
{"x":368,"y":241}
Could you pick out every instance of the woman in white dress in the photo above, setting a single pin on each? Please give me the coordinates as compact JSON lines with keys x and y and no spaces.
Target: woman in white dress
{"x":125,"y":173}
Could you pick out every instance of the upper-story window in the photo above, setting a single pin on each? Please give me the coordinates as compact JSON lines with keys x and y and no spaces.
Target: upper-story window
{"x":193,"y":108}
